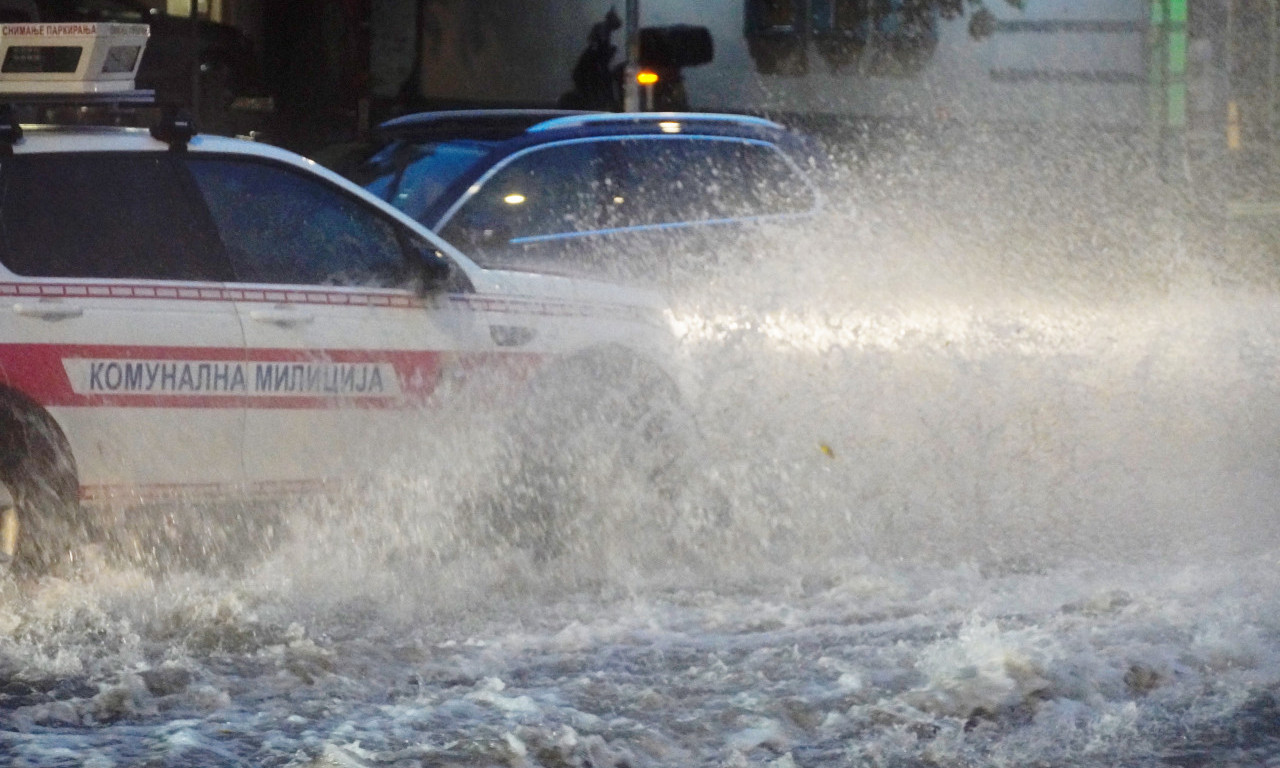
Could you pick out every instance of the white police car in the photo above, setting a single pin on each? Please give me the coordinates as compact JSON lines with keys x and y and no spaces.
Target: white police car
{"x":185,"y":314}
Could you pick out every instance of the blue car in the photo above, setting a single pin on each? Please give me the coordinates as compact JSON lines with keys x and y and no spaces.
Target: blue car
{"x":616,"y":195}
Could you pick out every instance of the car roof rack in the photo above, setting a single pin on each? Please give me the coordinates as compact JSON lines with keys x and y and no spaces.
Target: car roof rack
{"x":503,"y":124}
{"x":491,"y":124}
{"x":174,"y":127}
{"x":653,"y":118}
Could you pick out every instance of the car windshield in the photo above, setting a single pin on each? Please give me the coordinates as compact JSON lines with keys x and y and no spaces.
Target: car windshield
{"x":413,"y":175}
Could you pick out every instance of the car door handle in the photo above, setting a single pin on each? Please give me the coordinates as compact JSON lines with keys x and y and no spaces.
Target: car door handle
{"x":285,"y":316}
{"x":49,"y":310}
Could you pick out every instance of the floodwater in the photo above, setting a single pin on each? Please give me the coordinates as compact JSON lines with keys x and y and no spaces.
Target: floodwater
{"x":987,"y":476}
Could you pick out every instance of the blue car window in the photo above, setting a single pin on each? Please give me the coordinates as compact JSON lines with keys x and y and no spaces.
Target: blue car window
{"x":689,"y":179}
{"x":413,"y":176}
{"x":279,"y":226}
{"x":548,"y":190}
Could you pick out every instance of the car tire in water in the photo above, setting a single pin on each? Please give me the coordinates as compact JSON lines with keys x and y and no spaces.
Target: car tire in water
{"x":40,"y":519}
{"x":587,"y":428}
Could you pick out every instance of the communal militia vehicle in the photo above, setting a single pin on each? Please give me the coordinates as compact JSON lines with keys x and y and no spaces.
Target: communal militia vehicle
{"x":187,"y":315}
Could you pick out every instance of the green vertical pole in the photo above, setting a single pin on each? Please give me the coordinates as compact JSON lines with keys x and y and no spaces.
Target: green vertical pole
{"x":1273,"y":68}
{"x":1155,"y":66}
{"x":1176,"y":91}
{"x":1167,"y":77}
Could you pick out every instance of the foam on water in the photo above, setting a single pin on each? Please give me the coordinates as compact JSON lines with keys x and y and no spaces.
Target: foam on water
{"x":986,"y":475}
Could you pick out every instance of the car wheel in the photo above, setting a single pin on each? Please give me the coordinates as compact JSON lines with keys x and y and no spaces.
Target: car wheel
{"x":593,"y":434}
{"x":40,"y":518}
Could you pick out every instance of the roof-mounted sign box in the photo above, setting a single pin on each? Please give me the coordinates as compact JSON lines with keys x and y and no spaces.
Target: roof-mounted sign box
{"x":70,"y":58}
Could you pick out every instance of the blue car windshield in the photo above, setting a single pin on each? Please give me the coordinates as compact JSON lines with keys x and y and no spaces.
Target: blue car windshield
{"x":413,"y":176}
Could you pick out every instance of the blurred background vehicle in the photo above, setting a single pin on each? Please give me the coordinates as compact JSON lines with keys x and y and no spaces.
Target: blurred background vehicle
{"x":624,"y":196}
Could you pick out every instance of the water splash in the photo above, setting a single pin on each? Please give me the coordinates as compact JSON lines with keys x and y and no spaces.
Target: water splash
{"x":985,"y":473}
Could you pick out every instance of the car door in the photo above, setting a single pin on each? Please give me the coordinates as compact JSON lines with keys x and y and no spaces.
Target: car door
{"x":652,"y":208}
{"x":684,"y":204}
{"x":341,"y":351}
{"x":116,"y":318}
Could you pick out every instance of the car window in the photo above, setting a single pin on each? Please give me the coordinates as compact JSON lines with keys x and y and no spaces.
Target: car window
{"x":413,"y":176}
{"x":118,"y":215}
{"x":669,"y":180}
{"x":280,"y":226}
{"x":546,"y":191}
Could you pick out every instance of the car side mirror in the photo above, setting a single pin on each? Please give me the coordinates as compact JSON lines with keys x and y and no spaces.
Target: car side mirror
{"x":431,"y":270}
